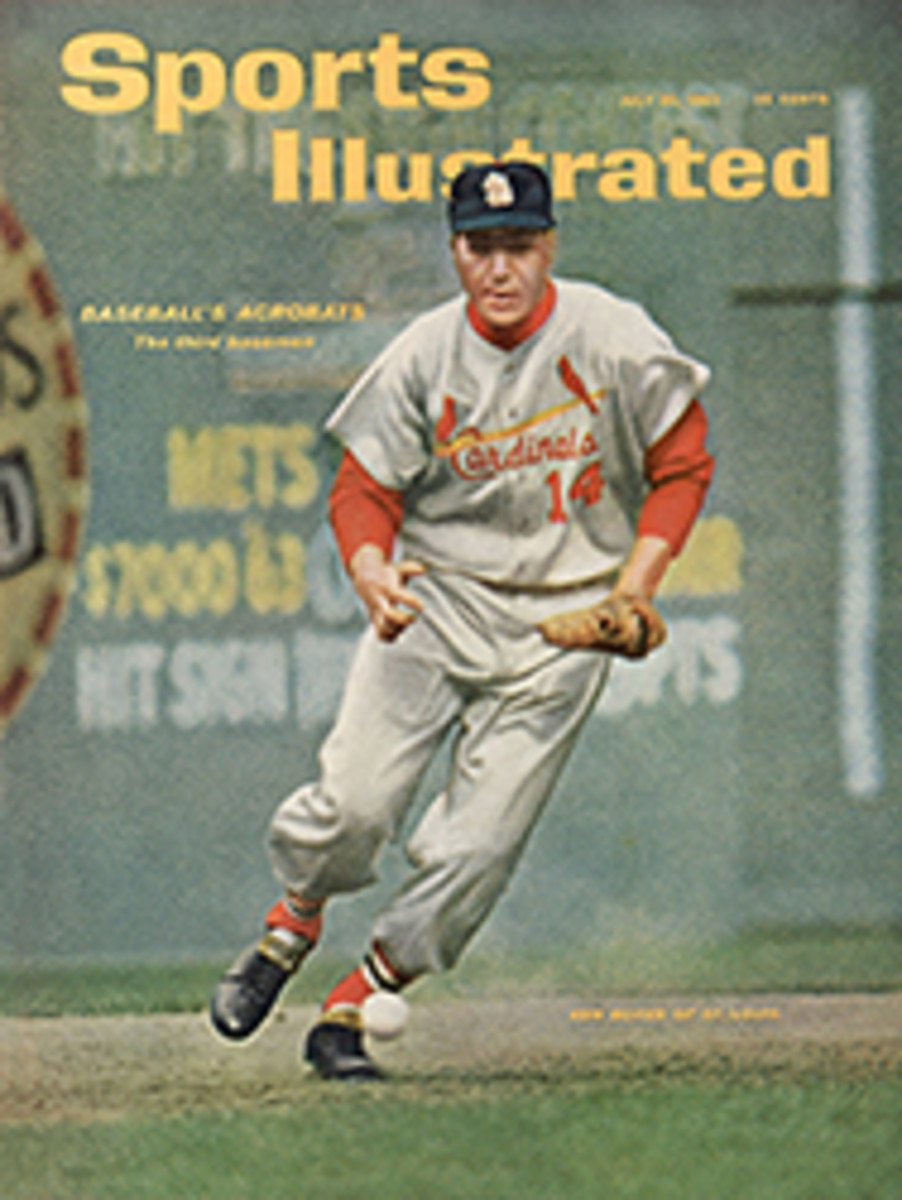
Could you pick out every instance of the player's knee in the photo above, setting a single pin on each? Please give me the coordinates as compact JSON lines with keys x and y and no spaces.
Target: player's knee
{"x":333,"y":855}
{"x":319,"y":822}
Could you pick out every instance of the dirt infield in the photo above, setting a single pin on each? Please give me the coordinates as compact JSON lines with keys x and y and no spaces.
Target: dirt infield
{"x":102,"y":1068}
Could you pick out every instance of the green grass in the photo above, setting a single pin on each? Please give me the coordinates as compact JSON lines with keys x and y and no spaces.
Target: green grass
{"x":723,"y":1134}
{"x":818,"y":1141}
{"x":820,"y":960}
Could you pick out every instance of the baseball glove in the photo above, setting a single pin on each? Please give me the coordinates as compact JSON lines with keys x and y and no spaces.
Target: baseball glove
{"x":619,"y":624}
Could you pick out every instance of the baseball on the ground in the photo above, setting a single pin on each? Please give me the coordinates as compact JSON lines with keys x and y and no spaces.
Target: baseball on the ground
{"x":385,"y":1015}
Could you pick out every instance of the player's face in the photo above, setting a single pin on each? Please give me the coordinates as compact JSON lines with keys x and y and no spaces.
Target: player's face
{"x":504,"y":272}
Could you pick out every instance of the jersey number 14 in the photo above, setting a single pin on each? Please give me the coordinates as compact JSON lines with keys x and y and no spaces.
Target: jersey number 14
{"x":585,"y":489}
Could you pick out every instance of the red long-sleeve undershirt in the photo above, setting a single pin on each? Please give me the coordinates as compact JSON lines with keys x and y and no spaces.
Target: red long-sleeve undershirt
{"x":678,"y":468}
{"x":362,"y":510}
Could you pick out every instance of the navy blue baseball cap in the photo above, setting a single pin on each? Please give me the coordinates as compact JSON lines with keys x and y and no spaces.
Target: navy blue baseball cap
{"x":499,"y":194}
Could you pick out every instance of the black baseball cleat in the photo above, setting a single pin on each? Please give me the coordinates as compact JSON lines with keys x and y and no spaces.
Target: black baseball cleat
{"x":249,"y":989}
{"x":335,"y":1051}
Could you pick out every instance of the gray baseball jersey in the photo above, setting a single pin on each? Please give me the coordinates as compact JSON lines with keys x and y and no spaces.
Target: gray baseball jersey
{"x":524,"y":466}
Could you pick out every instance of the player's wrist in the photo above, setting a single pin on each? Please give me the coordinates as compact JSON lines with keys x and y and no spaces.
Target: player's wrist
{"x":366,"y":558}
{"x":645,"y":568}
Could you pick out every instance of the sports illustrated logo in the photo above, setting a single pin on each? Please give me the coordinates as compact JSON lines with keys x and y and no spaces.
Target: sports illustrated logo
{"x":43,"y":462}
{"x":497,"y":191}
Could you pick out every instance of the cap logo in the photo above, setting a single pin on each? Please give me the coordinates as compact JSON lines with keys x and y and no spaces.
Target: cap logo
{"x":497,"y":190}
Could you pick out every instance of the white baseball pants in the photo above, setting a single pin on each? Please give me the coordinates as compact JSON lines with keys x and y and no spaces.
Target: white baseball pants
{"x":472,"y":662}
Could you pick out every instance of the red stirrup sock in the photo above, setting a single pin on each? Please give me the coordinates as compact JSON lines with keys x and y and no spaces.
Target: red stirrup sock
{"x":301,"y":917}
{"x":374,"y":974}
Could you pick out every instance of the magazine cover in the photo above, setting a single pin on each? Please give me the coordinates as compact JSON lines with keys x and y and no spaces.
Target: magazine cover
{"x":449,"y":578}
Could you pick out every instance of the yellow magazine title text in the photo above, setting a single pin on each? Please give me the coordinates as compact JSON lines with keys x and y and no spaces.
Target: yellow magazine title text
{"x":109,"y":73}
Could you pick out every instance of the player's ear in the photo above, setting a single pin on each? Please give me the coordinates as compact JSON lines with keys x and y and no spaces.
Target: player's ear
{"x":551,"y":245}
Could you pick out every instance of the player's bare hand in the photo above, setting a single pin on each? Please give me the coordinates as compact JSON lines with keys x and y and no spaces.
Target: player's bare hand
{"x":382,"y":586}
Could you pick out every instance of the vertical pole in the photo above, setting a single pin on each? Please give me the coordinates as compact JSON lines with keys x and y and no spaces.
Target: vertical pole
{"x":859,"y":711}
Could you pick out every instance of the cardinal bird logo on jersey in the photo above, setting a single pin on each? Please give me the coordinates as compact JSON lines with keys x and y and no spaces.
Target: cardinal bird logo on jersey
{"x":447,"y":421}
{"x":575,"y":385}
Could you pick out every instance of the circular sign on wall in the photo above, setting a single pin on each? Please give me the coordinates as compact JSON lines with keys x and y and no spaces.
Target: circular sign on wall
{"x":43,"y":461}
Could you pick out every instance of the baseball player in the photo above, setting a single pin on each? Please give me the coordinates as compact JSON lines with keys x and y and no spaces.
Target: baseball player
{"x":521,"y":464}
